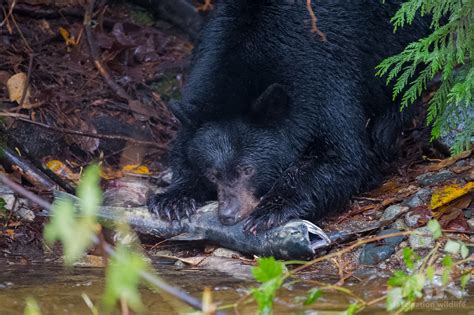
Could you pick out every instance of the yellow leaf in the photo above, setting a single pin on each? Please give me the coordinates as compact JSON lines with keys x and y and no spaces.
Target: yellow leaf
{"x":136,"y":169}
{"x":446,"y":194}
{"x":108,"y":173}
{"x":58,"y":168}
{"x":70,"y":40}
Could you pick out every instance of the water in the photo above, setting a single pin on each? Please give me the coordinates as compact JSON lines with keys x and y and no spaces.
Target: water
{"x":58,"y":290}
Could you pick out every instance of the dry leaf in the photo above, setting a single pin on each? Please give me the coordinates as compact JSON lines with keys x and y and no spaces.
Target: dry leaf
{"x":60,"y":169}
{"x":68,"y":38}
{"x":16,"y":85}
{"x":136,"y":169}
{"x":446,"y":194}
{"x":449,"y":161}
{"x":460,"y":203}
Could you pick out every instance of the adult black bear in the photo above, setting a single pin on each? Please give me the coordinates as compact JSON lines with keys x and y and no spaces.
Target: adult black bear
{"x":277,"y":123}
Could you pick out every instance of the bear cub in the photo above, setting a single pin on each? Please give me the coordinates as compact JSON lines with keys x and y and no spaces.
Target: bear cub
{"x":277,"y":123}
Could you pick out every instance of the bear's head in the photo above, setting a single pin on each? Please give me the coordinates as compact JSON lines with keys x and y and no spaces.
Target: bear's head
{"x":243,"y":156}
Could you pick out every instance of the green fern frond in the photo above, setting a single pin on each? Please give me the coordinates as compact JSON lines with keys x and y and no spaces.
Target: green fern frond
{"x":448,"y":51}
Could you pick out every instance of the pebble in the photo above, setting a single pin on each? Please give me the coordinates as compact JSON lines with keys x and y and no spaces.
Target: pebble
{"x":392,"y":211}
{"x":471,"y":223}
{"x":428,"y":179}
{"x":420,"y":198}
{"x":418,"y":217}
{"x":399,"y":224}
{"x":224,"y":252}
{"x":374,"y":253}
{"x":418,"y":241}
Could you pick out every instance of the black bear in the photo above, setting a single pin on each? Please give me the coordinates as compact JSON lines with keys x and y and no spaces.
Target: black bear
{"x":279,"y":123}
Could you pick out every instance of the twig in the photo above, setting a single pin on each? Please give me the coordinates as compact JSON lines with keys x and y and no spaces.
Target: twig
{"x":348,"y":249}
{"x":152,"y":279}
{"x":94,"y":52}
{"x":93,"y":135}
{"x":21,"y":34}
{"x":25,"y":193}
{"x":10,"y":11}
{"x":314,"y":21}
{"x":27,"y":83}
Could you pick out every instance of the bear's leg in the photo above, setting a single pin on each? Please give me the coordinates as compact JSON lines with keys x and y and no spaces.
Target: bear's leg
{"x":180,"y":200}
{"x":188,"y":190}
{"x":314,"y":187}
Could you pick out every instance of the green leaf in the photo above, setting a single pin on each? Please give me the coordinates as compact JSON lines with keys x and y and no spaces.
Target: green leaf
{"x":409,"y":257}
{"x":447,"y":261}
{"x":430,"y":271}
{"x":270,"y":273}
{"x":123,"y":279}
{"x":313,"y":296}
{"x":267,"y":269}
{"x":464,"y":251}
{"x":265,"y":294}
{"x":394,"y":299}
{"x":32,"y":307}
{"x":464,"y":280}
{"x":88,"y":191}
{"x":398,"y":279}
{"x":351,"y":309}
{"x":435,"y":228}
{"x":75,"y":228}
{"x":452,"y":247}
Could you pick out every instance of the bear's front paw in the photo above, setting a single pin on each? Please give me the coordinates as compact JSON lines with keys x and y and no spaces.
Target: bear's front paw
{"x":170,"y":206}
{"x":269,"y":213}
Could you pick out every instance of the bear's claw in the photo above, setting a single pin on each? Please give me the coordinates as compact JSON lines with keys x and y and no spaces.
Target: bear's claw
{"x":267,"y":215}
{"x":171,"y":207}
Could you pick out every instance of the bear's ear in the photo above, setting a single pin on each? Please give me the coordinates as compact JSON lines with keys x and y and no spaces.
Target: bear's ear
{"x":272,"y":103}
{"x":176,"y":108}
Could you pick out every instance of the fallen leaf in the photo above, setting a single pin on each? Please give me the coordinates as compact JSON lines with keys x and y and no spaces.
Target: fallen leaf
{"x":446,"y":194}
{"x":449,"y":161}
{"x":60,"y":169}
{"x":68,"y":38}
{"x":460,"y":203}
{"x":108,"y":173}
{"x":16,"y":85}
{"x":136,"y":169}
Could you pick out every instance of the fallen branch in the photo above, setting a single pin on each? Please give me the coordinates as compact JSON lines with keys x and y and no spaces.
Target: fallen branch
{"x":92,"y":135}
{"x":29,"y":171}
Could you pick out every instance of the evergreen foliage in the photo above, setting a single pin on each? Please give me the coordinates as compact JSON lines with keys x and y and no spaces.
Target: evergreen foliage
{"x":448,"y":52}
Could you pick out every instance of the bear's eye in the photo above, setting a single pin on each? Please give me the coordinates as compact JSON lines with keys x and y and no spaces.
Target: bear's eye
{"x":248,"y":170}
{"x":212,"y":176}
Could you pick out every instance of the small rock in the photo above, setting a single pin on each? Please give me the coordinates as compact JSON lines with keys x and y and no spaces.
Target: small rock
{"x":420,"y":198}
{"x":470,"y":222}
{"x":24,"y":214}
{"x":392,"y":211}
{"x":374,"y":253}
{"x":428,"y":179}
{"x":422,"y":240}
{"x":417,"y":217}
{"x":224,"y":252}
{"x":448,"y":136}
{"x":399,"y":224}
{"x":179,"y":264}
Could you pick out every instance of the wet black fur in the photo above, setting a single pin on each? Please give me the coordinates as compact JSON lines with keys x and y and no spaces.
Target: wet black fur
{"x":332,"y":135}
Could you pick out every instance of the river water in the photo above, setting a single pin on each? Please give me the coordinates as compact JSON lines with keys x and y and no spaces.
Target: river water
{"x":58,"y":290}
